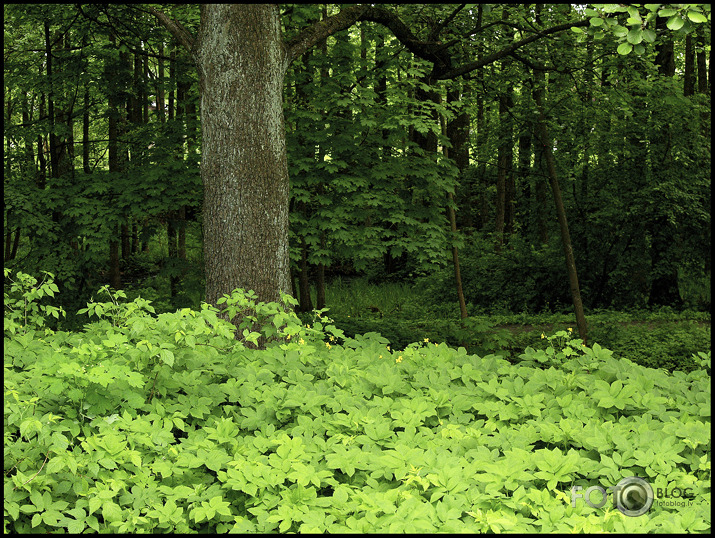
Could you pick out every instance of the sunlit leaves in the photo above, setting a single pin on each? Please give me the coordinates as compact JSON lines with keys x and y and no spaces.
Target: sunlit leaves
{"x":635,"y":36}
{"x":606,"y":16}
{"x":675,"y":23}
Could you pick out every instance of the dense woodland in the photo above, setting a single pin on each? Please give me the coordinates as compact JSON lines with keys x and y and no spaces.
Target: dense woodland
{"x":103,"y":143}
{"x":417,"y":169}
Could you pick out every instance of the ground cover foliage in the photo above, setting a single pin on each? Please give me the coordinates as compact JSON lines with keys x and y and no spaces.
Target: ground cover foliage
{"x":175,"y":423}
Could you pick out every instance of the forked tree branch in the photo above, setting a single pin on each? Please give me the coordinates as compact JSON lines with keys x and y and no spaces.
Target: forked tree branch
{"x":176,"y":29}
{"x":318,"y":31}
{"x":432,"y":51}
{"x":508,"y":50}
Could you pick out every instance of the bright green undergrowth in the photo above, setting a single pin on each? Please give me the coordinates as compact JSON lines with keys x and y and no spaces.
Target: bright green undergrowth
{"x":176,"y":423}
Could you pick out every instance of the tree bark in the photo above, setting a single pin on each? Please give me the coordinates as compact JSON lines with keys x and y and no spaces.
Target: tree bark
{"x":241,"y":63}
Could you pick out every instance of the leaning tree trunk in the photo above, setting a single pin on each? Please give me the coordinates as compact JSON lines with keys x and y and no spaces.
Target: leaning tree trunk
{"x":543,"y":136}
{"x":241,"y":62}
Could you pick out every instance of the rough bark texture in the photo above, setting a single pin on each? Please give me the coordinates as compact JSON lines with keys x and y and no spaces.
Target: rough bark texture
{"x":241,"y":63}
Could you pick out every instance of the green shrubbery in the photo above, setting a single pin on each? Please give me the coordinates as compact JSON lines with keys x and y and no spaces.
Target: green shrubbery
{"x":143,"y":423}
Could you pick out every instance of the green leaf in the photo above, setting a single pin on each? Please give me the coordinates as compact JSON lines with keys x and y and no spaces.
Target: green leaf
{"x":633,"y":12}
{"x":697,"y":17}
{"x":597,"y":21}
{"x":94,"y":504}
{"x":667,"y":12}
{"x":36,"y":520}
{"x":167,"y":357}
{"x":649,"y":36}
{"x":111,"y":511}
{"x":55,"y":464}
{"x":76,"y":526}
{"x":624,"y":48}
{"x":675,"y":23}
{"x":635,"y":36}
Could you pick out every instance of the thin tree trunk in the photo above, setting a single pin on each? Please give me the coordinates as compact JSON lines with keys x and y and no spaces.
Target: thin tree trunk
{"x":172,"y":240}
{"x":125,"y":241}
{"x":541,"y":186}
{"x":689,"y":75}
{"x":324,"y":73}
{"x":453,"y":228}
{"x":524,"y":168}
{"x":458,"y":134}
{"x":15,"y":244}
{"x":664,"y":287}
{"x":502,"y":164}
{"x":8,"y":235}
{"x":117,"y":156}
{"x":505,"y":175}
{"x":703,"y":81}
{"x":305,"y":302}
{"x":320,"y":279}
{"x":160,"y":93}
{"x":172,"y":82}
{"x":543,"y":137}
{"x":86,"y":165}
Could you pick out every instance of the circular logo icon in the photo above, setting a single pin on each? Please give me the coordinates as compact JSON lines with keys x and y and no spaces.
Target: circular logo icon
{"x":633,"y":496}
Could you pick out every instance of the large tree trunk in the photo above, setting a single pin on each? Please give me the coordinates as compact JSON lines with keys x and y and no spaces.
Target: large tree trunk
{"x":241,"y":62}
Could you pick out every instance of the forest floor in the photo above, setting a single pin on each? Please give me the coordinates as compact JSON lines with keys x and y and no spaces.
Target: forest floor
{"x":551,"y":327}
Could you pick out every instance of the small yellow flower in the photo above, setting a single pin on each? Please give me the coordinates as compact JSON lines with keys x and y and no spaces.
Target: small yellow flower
{"x":288,"y":337}
{"x":570,"y":330}
{"x":399,"y":359}
{"x":327,"y":345}
{"x":388,"y":348}
{"x":332,"y":338}
{"x":380,"y":356}
{"x":542,"y":335}
{"x":308,"y":325}
{"x":426,"y":340}
{"x":301,"y":341}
